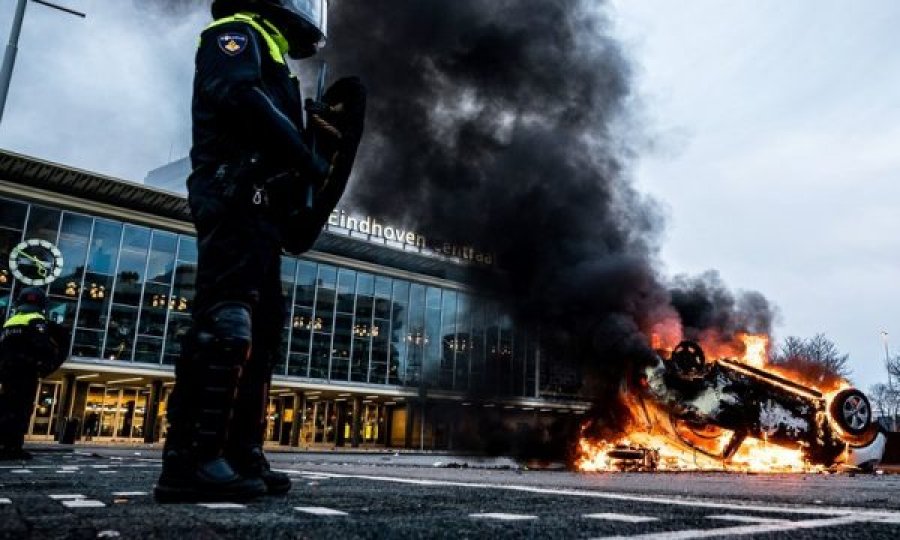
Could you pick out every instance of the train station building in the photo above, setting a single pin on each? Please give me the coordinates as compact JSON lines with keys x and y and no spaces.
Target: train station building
{"x":385,"y":345}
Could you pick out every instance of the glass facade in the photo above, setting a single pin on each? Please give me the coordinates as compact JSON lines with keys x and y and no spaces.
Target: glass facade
{"x":127,"y":291}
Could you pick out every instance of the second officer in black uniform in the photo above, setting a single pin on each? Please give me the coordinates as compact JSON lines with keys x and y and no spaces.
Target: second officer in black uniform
{"x":249,"y":141}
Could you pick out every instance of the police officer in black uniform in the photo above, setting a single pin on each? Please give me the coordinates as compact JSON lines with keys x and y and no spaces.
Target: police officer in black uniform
{"x":29,"y":349}
{"x":256,"y":181}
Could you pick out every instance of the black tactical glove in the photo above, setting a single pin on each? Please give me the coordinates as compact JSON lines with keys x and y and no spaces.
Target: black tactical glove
{"x":324,"y":118}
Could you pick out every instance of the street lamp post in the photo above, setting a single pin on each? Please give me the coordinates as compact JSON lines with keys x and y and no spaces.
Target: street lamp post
{"x":12,"y":48}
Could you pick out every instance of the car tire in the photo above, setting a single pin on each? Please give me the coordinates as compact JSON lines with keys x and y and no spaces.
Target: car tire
{"x":851,"y":412}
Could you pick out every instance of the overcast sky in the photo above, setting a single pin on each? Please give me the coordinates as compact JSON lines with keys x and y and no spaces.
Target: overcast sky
{"x":775,"y":130}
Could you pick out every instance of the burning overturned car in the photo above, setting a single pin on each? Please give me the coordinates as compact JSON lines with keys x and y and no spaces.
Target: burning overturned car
{"x":690,"y":413}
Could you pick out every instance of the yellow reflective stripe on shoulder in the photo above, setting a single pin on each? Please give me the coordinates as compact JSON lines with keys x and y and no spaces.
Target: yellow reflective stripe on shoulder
{"x":271,"y":41}
{"x":22,"y":319}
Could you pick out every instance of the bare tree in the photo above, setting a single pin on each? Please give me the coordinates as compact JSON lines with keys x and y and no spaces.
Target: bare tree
{"x":886,"y":401}
{"x":817,"y":357}
{"x":885,"y":397}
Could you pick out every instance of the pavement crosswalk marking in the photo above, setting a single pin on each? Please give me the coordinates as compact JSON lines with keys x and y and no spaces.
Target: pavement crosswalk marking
{"x":746,"y":530}
{"x":222,"y":506}
{"x":4,"y":500}
{"x":66,"y":497}
{"x":502,"y":516}
{"x":83,"y":503}
{"x":746,"y":519}
{"x":624,"y":518}
{"x":129,"y":493}
{"x":319,"y":511}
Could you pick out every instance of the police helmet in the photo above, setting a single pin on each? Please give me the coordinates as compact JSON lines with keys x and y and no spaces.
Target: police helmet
{"x":31,"y":300}
{"x":304,"y":23}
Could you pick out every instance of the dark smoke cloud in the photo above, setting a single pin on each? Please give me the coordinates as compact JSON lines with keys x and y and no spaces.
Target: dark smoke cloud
{"x":506,"y":123}
{"x":705,"y":303}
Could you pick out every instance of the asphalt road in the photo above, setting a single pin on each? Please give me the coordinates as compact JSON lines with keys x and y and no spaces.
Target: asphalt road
{"x":104,"y":493}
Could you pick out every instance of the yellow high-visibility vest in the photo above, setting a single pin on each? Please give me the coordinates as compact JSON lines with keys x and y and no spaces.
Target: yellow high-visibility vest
{"x":22,"y":319}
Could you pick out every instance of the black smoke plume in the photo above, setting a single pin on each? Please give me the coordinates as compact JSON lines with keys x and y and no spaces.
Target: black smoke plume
{"x":507,"y":124}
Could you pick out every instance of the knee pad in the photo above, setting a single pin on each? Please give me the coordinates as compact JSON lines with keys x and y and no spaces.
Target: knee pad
{"x":228,"y":331}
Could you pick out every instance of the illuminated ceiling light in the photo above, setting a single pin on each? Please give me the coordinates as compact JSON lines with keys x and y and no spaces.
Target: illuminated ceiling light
{"x":313,"y":392}
{"x":90,"y":376}
{"x":372,"y":397}
{"x":488,"y":405}
{"x":466,"y":404}
{"x":343,"y":395}
{"x":132,"y":379}
{"x":390,"y":402}
{"x":527,"y":408}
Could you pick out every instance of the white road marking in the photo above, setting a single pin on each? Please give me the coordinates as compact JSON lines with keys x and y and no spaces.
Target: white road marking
{"x":625,"y":518}
{"x":316,"y":477}
{"x":745,"y":530}
{"x":319,"y":511}
{"x":21,"y":471}
{"x":83,"y":503}
{"x":66,"y":497}
{"x":108,"y":472}
{"x":746,"y":519}
{"x":67,"y":471}
{"x":502,"y":517}
{"x":69,"y":467}
{"x":98,"y":467}
{"x":865,"y":513}
{"x":222,"y":506}
{"x":129,"y":493}
{"x":4,"y":500}
{"x":108,"y":534}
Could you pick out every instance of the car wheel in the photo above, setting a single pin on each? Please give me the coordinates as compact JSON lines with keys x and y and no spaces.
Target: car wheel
{"x":689,"y":360}
{"x":851,"y":412}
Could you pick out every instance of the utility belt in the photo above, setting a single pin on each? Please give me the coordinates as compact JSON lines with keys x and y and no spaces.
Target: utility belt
{"x":250,"y":182}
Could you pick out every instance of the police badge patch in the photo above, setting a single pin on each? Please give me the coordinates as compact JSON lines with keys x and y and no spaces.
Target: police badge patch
{"x":232,"y":43}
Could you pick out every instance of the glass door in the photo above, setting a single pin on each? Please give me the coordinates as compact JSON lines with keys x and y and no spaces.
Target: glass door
{"x":43,"y":419}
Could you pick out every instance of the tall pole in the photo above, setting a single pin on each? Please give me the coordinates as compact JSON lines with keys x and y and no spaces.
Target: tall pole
{"x":890,"y":379}
{"x":9,"y":59}
{"x":12,"y":48}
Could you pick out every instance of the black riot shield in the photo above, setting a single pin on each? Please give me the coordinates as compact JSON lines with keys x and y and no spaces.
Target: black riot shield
{"x":346,"y":100}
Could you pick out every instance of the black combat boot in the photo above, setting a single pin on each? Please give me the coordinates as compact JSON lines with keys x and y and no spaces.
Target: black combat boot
{"x":200,"y":410}
{"x":251,"y":462}
{"x":188,"y":479}
{"x":244,"y":449}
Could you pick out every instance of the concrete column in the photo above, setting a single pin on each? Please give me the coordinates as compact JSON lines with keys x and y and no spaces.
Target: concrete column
{"x":297,"y":422}
{"x":152,"y":412}
{"x":384,"y":436}
{"x":66,"y":397}
{"x":410,"y":415}
{"x":356,"y":422}
{"x":340,"y":421}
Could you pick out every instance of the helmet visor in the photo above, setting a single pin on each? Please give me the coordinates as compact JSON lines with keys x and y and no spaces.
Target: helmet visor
{"x":314,"y":11}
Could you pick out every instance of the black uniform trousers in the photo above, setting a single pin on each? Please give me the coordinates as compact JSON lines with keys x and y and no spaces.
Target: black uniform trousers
{"x":16,"y":405}
{"x":239,"y":261}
